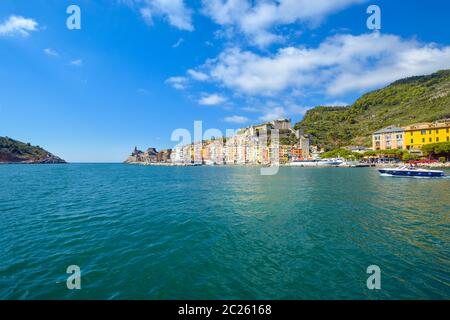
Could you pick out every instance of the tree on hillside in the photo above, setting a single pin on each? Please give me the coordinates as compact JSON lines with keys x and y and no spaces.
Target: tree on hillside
{"x":342,"y":153}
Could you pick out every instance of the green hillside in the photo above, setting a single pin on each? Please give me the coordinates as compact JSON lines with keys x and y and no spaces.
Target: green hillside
{"x":13,"y":151}
{"x":407,"y":101}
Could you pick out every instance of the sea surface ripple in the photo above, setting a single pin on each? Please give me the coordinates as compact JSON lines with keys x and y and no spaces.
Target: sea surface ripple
{"x":220,"y":233}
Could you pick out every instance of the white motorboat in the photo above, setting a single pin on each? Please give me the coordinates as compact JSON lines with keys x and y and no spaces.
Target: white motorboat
{"x":317,"y":163}
{"x":407,"y":171}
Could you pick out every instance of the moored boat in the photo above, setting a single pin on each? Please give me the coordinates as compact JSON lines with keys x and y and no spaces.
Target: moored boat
{"x":406,"y":171}
{"x":317,"y":163}
{"x":356,"y":164}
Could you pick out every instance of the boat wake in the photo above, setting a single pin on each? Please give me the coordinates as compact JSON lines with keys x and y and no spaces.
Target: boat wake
{"x":412,"y":177}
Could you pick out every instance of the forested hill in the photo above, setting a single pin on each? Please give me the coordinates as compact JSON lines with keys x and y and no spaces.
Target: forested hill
{"x":404,"y":102}
{"x":13,"y":151}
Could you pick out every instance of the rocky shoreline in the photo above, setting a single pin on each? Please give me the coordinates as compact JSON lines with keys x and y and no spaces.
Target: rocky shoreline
{"x":48,"y":160}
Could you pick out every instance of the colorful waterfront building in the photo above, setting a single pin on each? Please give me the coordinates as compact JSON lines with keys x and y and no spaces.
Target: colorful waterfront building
{"x":264,"y":154}
{"x":418,"y":135}
{"x":231,"y":150}
{"x":217,"y":152}
{"x":206,"y":152}
{"x":241,"y":149}
{"x":388,"y":138}
{"x":296,"y":153}
{"x":251,"y":145}
{"x":284,"y":153}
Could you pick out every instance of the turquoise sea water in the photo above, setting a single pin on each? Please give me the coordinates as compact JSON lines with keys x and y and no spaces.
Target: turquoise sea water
{"x":220,"y":233}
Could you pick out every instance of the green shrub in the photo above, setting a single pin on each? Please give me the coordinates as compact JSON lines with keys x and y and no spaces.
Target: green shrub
{"x":410,"y":157}
{"x":342,"y":153}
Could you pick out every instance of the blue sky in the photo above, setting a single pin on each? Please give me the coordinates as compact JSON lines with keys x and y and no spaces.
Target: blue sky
{"x":139,"y":69}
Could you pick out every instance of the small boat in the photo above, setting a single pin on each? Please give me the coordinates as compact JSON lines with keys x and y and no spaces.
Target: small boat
{"x":209,"y":163}
{"x":406,"y":171}
{"x":330,"y":162}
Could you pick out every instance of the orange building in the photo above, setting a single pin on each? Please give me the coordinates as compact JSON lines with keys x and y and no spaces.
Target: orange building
{"x":297,"y":154}
{"x":388,"y":138}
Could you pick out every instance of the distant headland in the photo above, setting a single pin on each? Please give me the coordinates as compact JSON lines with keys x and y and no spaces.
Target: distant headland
{"x":13,"y":151}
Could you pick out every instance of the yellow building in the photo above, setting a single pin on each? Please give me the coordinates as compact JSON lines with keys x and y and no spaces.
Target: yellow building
{"x":418,"y":135}
{"x":284,"y":151}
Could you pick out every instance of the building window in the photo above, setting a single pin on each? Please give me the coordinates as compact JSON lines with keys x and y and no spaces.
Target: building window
{"x":423,"y":139}
{"x":424,"y":132}
{"x":437,"y":139}
{"x":437,"y":131}
{"x":431,"y":139}
{"x":429,"y":131}
{"x":412,"y":141}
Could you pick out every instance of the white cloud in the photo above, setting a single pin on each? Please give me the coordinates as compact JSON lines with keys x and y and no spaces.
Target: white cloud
{"x":336,"y":104}
{"x":146,"y":13}
{"x":174,"y":11}
{"x":276,"y":108}
{"x":212,"y":100}
{"x":51,"y":52}
{"x":340,"y":64}
{"x":295,"y":109}
{"x":143,"y":91}
{"x":197,"y":75}
{"x":179,"y":83}
{"x":178,"y":43}
{"x":274,"y":114}
{"x":236,"y":119}
{"x":18,"y":25}
{"x":77,"y":62}
{"x":256,"y":19}
{"x":251,"y":109}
